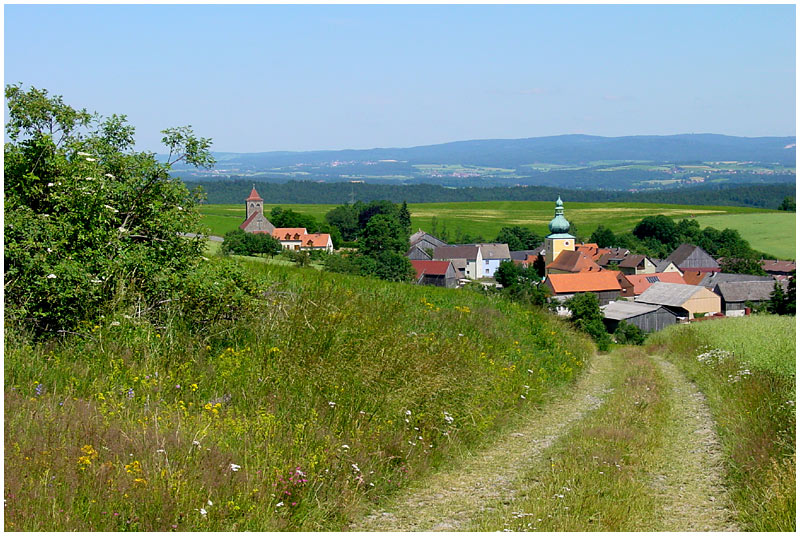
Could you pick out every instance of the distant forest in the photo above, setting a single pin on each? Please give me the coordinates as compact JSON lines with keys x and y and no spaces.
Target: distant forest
{"x":234,"y":191}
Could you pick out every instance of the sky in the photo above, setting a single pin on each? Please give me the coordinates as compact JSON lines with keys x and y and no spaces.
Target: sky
{"x":294,"y":78}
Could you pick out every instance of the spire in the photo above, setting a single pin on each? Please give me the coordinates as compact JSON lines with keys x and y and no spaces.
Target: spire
{"x":254,"y":195}
{"x":559,"y":223}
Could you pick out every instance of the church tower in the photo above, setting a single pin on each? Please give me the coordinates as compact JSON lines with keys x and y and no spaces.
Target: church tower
{"x":254,"y":203}
{"x":559,"y":238}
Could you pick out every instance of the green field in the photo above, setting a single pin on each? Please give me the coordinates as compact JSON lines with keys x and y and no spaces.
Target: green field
{"x":773,"y":232}
{"x":768,"y":231}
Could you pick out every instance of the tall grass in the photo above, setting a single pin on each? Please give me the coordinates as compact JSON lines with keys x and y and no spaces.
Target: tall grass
{"x":746,"y":368}
{"x":290,"y":413}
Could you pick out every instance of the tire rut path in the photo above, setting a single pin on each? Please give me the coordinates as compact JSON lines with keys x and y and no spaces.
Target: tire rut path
{"x":448,"y":499}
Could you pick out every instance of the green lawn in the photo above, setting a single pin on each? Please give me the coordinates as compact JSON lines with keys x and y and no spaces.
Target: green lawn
{"x":773,"y":232}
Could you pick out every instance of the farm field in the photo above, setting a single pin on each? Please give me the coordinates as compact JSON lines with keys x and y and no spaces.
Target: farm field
{"x":773,"y":232}
{"x":486,"y":218}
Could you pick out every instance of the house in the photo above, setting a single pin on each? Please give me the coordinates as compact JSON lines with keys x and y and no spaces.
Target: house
{"x":255,"y":221}
{"x":436,"y":273}
{"x":471,"y":255}
{"x":735,"y":294}
{"x":492,"y":255}
{"x":642,"y":282}
{"x":416,"y":253}
{"x":685,"y":300}
{"x":604,"y":284}
{"x":425,"y":241}
{"x":571,"y":262}
{"x":612,"y":257}
{"x":637,"y":264}
{"x":648,"y":318}
{"x":665,"y":266}
{"x":712,"y":279}
{"x":525,"y":254}
{"x":592,"y":250}
{"x":784,"y":268}
{"x":625,"y":285}
{"x":691,"y":257}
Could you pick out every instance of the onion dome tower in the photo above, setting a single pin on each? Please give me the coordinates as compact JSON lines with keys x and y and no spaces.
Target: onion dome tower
{"x":559,"y":238}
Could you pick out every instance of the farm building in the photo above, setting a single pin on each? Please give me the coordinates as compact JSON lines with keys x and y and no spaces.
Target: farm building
{"x":685,"y":300}
{"x":665,"y":266}
{"x":436,"y":273}
{"x":712,"y":279}
{"x":493,"y":255}
{"x":637,"y":264}
{"x":691,"y":257}
{"x":646,"y":317}
{"x":625,"y":285}
{"x":736,"y":294}
{"x":784,"y":268}
{"x":612,"y":257}
{"x":416,"y":253}
{"x":604,"y":284}
{"x":470,"y":256}
{"x":643,"y":282}
{"x":425,"y":241}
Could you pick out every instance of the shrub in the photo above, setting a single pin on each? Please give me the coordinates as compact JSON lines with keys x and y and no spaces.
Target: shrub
{"x":628,"y":334}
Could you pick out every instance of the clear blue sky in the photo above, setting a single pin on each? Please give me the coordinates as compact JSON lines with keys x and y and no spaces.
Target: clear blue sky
{"x":264,"y":78}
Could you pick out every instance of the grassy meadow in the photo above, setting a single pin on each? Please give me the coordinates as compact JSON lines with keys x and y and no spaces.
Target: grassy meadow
{"x":746,"y":368}
{"x":486,"y":218}
{"x":773,"y":232}
{"x":314,"y":398}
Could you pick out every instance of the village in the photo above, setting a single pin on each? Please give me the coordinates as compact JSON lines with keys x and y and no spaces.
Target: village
{"x":688,"y":285}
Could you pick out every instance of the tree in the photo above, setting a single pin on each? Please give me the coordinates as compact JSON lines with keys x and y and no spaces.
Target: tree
{"x":603,"y":237}
{"x":518,"y":238}
{"x":383,"y":233}
{"x":345,"y":218}
{"x":404,"y":217}
{"x":628,"y":334}
{"x":742,"y":265}
{"x":587,"y":317}
{"x":788,"y":204}
{"x":508,"y":273}
{"x":88,"y":220}
{"x":659,"y":227}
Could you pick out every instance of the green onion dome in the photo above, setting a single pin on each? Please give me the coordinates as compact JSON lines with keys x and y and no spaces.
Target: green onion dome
{"x":559,"y":224}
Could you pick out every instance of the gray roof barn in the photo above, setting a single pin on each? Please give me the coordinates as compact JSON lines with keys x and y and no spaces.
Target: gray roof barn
{"x":523,"y":254}
{"x":712,"y":279}
{"x":742,"y":291}
{"x":688,"y":257}
{"x":425,"y":241}
{"x":456,"y":252}
{"x":688,"y":299}
{"x":416,"y":253}
{"x":646,"y":317}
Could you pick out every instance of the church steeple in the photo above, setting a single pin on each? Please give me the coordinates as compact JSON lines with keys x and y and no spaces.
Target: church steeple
{"x":559,"y":238}
{"x":254,"y":203}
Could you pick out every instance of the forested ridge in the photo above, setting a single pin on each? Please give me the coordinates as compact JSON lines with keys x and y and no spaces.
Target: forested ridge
{"x":233,"y":191}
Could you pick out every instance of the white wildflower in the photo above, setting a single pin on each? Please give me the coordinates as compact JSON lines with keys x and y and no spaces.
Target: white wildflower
{"x":81,"y":153}
{"x":196,"y":443}
{"x":115,"y":323}
{"x":235,"y":467}
{"x":210,"y":503}
{"x":51,"y":276}
{"x":203,"y":511}
{"x":161,"y":450}
{"x":332,"y":404}
{"x":279,"y":504}
{"x":109,"y":207}
{"x":90,"y":159}
{"x":408,"y":412}
{"x":109,"y":175}
{"x":522,"y":397}
{"x":50,"y":184}
{"x":530,"y":371}
{"x":346,"y":447}
{"x":355,"y":468}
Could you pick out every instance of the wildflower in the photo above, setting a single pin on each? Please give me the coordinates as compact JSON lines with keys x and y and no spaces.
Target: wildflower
{"x":112,"y":209}
{"x":522,"y":397}
{"x":109,"y":175}
{"x":39,"y":389}
{"x":332,"y":404}
{"x":130,"y":393}
{"x":448,"y":418}
{"x":140,"y":481}
{"x":51,"y":276}
{"x":90,"y":159}
{"x":203,"y":512}
{"x":194,"y":387}
{"x":235,"y":467}
{"x":50,"y":184}
{"x":81,"y":153}
{"x":355,"y":467}
{"x":210,"y":503}
{"x":279,"y":504}
{"x":161,"y":450}
{"x":346,"y":447}
{"x":196,"y":443}
{"x":408,"y":412}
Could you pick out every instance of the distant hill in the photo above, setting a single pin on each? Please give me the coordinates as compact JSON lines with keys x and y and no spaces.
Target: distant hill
{"x":577,"y":161}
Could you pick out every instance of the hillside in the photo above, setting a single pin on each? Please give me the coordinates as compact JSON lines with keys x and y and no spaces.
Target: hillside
{"x":314,"y":395}
{"x":577,"y":161}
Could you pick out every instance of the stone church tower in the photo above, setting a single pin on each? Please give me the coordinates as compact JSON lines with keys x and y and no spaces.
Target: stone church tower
{"x":559,"y":238}
{"x":256,"y":222}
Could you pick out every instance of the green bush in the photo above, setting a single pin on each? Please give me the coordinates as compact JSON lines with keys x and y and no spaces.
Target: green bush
{"x":628,"y":334}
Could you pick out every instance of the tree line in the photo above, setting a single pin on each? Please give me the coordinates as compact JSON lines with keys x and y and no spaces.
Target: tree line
{"x":292,"y":192}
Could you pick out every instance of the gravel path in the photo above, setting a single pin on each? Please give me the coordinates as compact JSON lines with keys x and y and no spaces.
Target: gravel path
{"x":690,"y":481}
{"x":447,"y":500}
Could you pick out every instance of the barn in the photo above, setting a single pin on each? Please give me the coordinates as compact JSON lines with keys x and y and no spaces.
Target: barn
{"x":685,"y":300}
{"x":645,"y":316}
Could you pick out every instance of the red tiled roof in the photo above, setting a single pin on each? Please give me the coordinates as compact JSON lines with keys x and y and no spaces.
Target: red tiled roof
{"x":289,"y":233}
{"x":316,"y":240}
{"x":642,"y":282}
{"x":254,"y":196}
{"x":584,"y":282}
{"x":692,"y":277}
{"x":430,"y":267}
{"x":573,"y":261}
{"x":778,"y":266}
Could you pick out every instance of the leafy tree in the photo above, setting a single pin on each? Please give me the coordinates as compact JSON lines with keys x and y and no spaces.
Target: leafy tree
{"x":603,"y":237}
{"x":280,"y":217}
{"x":88,"y":220}
{"x":404,"y":217}
{"x":518,"y":238}
{"x":383,"y":233}
{"x":377,"y":207}
{"x":780,"y":302}
{"x":508,"y":273}
{"x":236,"y":242}
{"x":742,"y":265}
{"x":788,"y":204}
{"x":659,"y":227}
{"x":393,"y":266}
{"x":345,"y":218}
{"x":628,"y":334}
{"x":587,"y":317}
